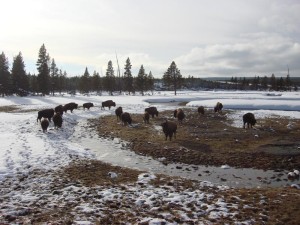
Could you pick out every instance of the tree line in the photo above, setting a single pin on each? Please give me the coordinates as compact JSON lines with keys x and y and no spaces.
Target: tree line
{"x":51,"y":79}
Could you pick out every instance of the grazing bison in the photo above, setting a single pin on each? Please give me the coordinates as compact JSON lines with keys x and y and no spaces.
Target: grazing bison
{"x":201,"y":110}
{"x":70,"y":106}
{"x":46,"y":113}
{"x":249,"y":119}
{"x":57,"y":119}
{"x":152,"y":111}
{"x":126,"y":118}
{"x":108,"y":103}
{"x":179,"y":114}
{"x":169,"y":128}
{"x":218,"y":107}
{"x":87,"y":105}
{"x":44,"y":124}
{"x":119,"y":112}
{"x":146,"y":117}
{"x":59,"y":109}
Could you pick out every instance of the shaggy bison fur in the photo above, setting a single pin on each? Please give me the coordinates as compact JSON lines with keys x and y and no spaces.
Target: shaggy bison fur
{"x":218,"y":107}
{"x":59,"y":109}
{"x":179,"y":114}
{"x":152,"y":111}
{"x":57,"y":119}
{"x":119,"y":112}
{"x":146,"y":117}
{"x":201,"y":110}
{"x":108,"y":103}
{"x":169,"y":128}
{"x":249,"y":119}
{"x":126,"y":118}
{"x":87,"y":105}
{"x":70,"y":106}
{"x":46,"y":113}
{"x":44,"y":124}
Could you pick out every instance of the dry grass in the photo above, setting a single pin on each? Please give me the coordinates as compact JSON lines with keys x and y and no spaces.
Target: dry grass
{"x":210,"y":140}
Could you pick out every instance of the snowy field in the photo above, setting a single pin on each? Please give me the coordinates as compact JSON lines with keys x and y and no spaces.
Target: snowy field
{"x":24,"y":147}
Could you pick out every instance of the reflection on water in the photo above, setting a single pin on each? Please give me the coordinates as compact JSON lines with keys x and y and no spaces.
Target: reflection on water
{"x":114,"y":151}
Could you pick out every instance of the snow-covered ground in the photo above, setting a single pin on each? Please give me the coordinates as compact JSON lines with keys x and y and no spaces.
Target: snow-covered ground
{"x":24,"y":147}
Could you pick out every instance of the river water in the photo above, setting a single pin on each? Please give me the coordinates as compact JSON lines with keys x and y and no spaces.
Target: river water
{"x":115,"y":152}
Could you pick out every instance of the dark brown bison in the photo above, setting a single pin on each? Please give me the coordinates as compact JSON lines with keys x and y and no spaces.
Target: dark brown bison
{"x":218,"y":107}
{"x":146,"y":117}
{"x":201,"y":110}
{"x":44,"y":124}
{"x":249,"y":119}
{"x":169,"y":128}
{"x":152,"y":111}
{"x":57,"y":119}
{"x":108,"y":103}
{"x":87,"y":105}
{"x":46,"y":113}
{"x":119,"y":112}
{"x":126,"y":118}
{"x":70,"y":106}
{"x":179,"y":114}
{"x":59,"y":109}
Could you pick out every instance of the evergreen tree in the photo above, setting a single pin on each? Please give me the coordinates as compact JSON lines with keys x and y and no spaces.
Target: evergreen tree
{"x":264,"y":82}
{"x":43,"y":70}
{"x":273,"y":83}
{"x":150,"y":82}
{"x":141,"y":80}
{"x":173,"y":78}
{"x":128,"y":79}
{"x":85,"y":82}
{"x":96,"y":82}
{"x":33,"y":83}
{"x":4,"y":75}
{"x":19,"y":77}
{"x":288,"y":82}
{"x":53,"y":76}
{"x":110,"y":80}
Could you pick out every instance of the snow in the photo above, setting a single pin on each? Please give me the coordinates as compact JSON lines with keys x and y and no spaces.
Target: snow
{"x":24,"y":147}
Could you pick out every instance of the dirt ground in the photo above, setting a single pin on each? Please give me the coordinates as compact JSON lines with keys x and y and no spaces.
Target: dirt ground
{"x":210,"y":139}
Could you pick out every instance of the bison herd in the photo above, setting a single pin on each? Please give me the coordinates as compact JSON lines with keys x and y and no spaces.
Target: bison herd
{"x":169,"y":128}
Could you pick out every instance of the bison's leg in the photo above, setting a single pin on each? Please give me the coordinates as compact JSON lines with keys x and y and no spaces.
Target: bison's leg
{"x":175,"y":134}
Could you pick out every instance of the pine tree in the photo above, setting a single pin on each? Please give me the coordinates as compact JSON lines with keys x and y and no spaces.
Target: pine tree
{"x":19,"y":77}
{"x":53,"y":76}
{"x":110,"y":80}
{"x":4,"y":75}
{"x":141,"y":80}
{"x":128,"y":79}
{"x":96,"y":83}
{"x":150,"y":82}
{"x":85,"y":82}
{"x":173,"y":78}
{"x":43,"y":70}
{"x":273,"y":82}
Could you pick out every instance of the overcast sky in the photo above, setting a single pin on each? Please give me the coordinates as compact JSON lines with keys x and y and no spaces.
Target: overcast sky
{"x":204,"y":38}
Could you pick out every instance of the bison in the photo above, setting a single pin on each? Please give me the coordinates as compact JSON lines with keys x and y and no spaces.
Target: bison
{"x":46,"y":113}
{"x":201,"y":110}
{"x":249,"y":119}
{"x":152,"y":111}
{"x":57,"y":119}
{"x":44,"y":124}
{"x":146,"y":117}
{"x":179,"y":114}
{"x":119,"y":112}
{"x":108,"y":103}
{"x":70,"y":106}
{"x":169,"y":128}
{"x":218,"y":107}
{"x":126,"y":118}
{"x":87,"y":105}
{"x":59,"y":109}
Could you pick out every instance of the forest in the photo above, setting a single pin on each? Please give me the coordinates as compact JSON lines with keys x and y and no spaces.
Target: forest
{"x":50,"y":80}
